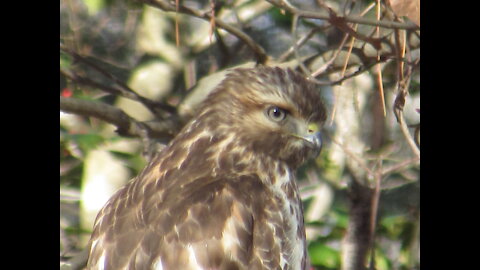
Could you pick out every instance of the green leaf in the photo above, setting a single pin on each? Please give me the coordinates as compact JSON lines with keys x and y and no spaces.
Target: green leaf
{"x":134,"y":161}
{"x":65,"y":61}
{"x":94,"y":6}
{"x":381,"y":261}
{"x":341,"y":217}
{"x":283,"y":19}
{"x":393,"y":225}
{"x":322,"y":255}
{"x":87,"y":141}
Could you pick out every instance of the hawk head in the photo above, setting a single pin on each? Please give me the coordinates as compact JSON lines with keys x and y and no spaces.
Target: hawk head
{"x":270,"y":111}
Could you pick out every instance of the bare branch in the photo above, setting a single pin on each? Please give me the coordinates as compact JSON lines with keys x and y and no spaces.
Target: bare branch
{"x":352,"y":42}
{"x":398,"y":110}
{"x":89,"y":82}
{"x":126,"y":125}
{"x":407,"y":135}
{"x":354,"y":157}
{"x":374,"y":212}
{"x":400,"y":166}
{"x":123,"y":89}
{"x":299,"y":43}
{"x":324,"y":67}
{"x":343,"y":19}
{"x":256,"y":48}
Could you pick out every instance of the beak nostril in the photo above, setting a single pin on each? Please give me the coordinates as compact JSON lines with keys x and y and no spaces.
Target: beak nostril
{"x":312,"y":128}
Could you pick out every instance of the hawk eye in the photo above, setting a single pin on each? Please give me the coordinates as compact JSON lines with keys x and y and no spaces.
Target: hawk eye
{"x":276,"y":114}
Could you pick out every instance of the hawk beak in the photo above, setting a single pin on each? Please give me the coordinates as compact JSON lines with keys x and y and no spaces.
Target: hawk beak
{"x":314,"y":139}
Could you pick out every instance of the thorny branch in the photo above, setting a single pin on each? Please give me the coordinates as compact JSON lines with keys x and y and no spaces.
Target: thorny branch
{"x":126,"y":125}
{"x":364,"y":204}
{"x":334,"y":18}
{"x":299,"y":43}
{"x":207,"y":15}
{"x":398,"y":106}
{"x":156,"y":108}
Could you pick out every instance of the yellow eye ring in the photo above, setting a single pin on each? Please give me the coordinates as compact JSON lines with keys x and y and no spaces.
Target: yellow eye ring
{"x":276,"y":113}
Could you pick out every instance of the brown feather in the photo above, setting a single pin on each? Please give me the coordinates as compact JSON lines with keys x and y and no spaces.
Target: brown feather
{"x":222,"y":194}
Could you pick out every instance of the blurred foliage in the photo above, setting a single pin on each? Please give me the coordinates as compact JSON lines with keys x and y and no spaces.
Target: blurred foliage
{"x":107,"y":33}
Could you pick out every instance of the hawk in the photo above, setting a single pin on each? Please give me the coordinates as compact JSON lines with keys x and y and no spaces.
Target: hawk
{"x":222,"y":194}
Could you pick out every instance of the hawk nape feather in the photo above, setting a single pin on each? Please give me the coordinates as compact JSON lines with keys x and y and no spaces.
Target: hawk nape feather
{"x":222,"y":194}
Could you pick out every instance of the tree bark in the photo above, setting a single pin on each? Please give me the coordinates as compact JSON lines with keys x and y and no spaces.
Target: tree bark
{"x":357,"y":241}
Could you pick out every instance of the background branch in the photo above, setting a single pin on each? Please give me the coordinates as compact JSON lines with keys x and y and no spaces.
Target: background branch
{"x":255,"y":47}
{"x":123,"y":90}
{"x":126,"y":126}
{"x":322,"y":15}
{"x":357,"y":239}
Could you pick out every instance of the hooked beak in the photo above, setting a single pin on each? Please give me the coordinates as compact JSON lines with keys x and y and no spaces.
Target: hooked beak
{"x":314,"y":139}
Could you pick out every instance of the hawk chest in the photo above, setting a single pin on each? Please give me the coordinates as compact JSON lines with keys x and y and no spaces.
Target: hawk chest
{"x":287,"y":223}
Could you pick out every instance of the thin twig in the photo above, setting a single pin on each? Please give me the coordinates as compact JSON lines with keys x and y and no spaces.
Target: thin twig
{"x":348,"y":19}
{"x":347,"y":58}
{"x":352,"y":42}
{"x":256,"y":48}
{"x":340,"y":23}
{"x":324,"y":67}
{"x":299,"y":43}
{"x":123,"y":90}
{"x":359,"y":71}
{"x":400,"y":45}
{"x":374,"y":212}
{"x":399,"y":104}
{"x":212,"y":20}
{"x":378,"y":66}
{"x":408,"y":136}
{"x":89,"y":82}
{"x":400,"y":166}
{"x":354,"y":157}
{"x":177,"y":30}
{"x":302,"y":66}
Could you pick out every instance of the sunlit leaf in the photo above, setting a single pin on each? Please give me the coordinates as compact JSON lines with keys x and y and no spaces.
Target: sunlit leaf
{"x":94,"y":6}
{"x":322,"y":255}
{"x":393,"y":225}
{"x":382,"y":262}
{"x":87,"y":141}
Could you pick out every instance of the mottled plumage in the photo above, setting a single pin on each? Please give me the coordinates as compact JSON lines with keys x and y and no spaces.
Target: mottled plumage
{"x":222,"y":194}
